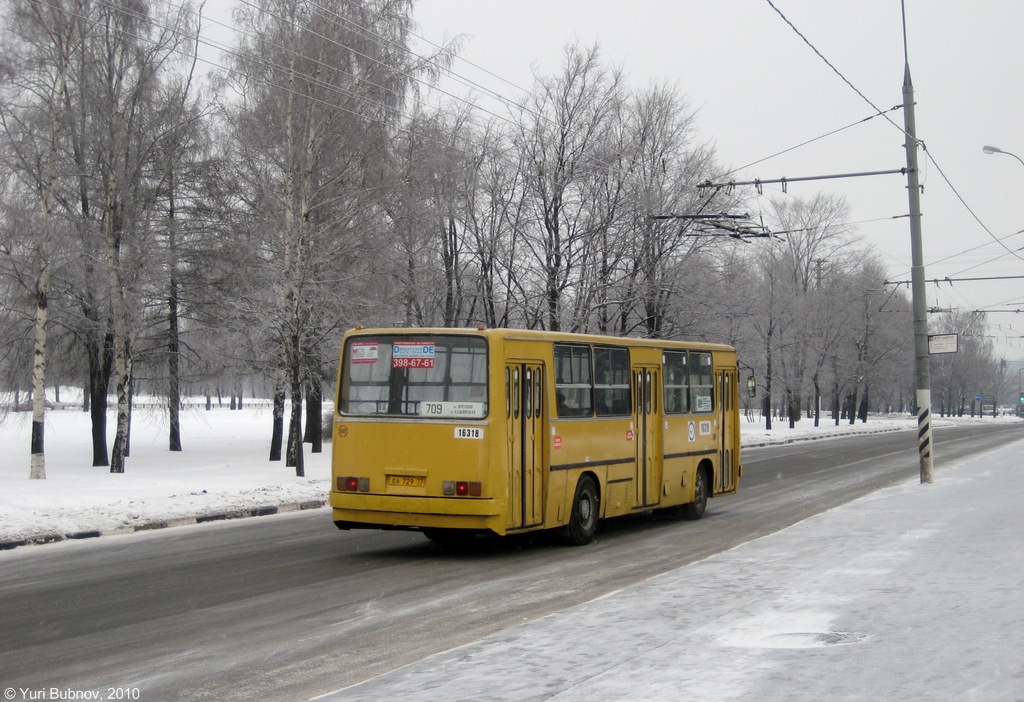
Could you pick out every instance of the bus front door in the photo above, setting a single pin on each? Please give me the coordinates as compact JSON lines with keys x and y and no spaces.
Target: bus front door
{"x":525,"y":415}
{"x":647,"y":435}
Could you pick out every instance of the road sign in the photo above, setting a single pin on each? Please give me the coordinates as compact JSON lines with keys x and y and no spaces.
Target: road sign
{"x":942,"y":343}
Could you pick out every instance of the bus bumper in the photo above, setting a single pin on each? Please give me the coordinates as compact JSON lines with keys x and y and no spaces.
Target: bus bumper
{"x":352,"y":511}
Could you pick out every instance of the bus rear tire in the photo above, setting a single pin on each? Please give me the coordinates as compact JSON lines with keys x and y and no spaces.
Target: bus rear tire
{"x":585,"y":509}
{"x":693,"y":511}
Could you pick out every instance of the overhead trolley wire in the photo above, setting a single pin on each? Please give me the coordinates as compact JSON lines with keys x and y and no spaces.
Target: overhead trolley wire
{"x":930,"y":158}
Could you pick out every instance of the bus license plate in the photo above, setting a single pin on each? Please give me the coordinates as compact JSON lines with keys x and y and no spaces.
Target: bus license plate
{"x":407,"y":481}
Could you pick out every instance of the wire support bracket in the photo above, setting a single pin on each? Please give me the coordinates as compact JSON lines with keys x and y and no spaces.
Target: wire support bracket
{"x":759,"y":183}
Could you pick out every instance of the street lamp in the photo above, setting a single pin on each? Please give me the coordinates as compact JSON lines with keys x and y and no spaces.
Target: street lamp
{"x":996,"y":150}
{"x":1020,"y":389}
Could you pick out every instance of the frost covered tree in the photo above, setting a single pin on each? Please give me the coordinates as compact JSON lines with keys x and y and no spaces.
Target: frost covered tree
{"x":315,"y":93}
{"x":85,"y":124}
{"x":40,"y":43}
{"x":812,"y":232}
{"x":565,"y":125}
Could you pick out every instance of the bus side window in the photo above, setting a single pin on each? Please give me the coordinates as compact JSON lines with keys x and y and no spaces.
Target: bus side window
{"x":573,"y":391}
{"x":702,"y":382}
{"x":538,"y":394}
{"x":676,"y":387}
{"x":649,"y":405}
{"x":516,"y":395}
{"x":611,"y":382}
{"x":528,"y":393}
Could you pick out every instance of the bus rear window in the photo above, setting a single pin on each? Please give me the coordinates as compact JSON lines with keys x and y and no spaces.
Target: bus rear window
{"x":414,"y":376}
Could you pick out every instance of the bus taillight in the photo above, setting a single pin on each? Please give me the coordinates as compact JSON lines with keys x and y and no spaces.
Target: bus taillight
{"x":352,"y":483}
{"x":462,"y":488}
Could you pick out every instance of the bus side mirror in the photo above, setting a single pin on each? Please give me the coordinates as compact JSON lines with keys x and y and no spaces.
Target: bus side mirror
{"x":751,"y":387}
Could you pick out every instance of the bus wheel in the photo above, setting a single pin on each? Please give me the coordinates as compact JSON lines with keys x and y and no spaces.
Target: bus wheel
{"x":585,"y":508}
{"x":695,"y":510}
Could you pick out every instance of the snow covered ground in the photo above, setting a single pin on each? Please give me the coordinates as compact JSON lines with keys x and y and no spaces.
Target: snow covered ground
{"x":223,"y":470}
{"x":910,"y":593}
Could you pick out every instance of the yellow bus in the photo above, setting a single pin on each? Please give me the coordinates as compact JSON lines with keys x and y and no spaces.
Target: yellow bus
{"x":458,"y":432}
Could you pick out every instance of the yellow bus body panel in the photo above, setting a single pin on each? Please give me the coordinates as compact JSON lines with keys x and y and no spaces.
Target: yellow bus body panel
{"x":426,"y":452}
{"x":408,"y":460}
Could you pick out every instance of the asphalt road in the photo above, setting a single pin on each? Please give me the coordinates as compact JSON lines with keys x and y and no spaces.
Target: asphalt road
{"x":287,"y":607}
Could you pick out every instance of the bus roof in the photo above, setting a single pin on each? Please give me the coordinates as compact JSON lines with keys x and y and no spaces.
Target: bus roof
{"x":539,"y":335}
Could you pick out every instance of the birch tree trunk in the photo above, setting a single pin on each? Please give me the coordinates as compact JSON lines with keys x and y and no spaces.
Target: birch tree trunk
{"x":173,"y":350}
{"x":277,"y":425}
{"x":121,"y":364}
{"x":38,"y":462}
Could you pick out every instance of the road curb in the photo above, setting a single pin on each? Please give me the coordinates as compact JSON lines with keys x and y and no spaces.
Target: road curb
{"x":761,"y":443}
{"x":261,"y":511}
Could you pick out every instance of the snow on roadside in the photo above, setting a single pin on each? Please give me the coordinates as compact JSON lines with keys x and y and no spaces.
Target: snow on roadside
{"x":223,"y":470}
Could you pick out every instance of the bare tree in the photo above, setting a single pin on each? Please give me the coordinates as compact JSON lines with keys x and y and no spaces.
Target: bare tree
{"x":664,"y":165}
{"x":39,"y":54}
{"x":973,"y":370}
{"x":567,"y":122}
{"x":127,"y":63}
{"x":493,"y":220}
{"x":321,"y":87}
{"x":812,"y":231}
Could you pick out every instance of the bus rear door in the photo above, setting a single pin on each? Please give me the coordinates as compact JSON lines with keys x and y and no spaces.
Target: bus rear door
{"x":728,"y":456}
{"x":524,"y":383}
{"x":647,"y":434}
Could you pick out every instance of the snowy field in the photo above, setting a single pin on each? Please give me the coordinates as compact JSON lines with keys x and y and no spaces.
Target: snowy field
{"x":223,"y":470}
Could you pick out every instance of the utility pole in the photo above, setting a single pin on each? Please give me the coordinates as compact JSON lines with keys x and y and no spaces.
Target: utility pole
{"x":924,"y":387}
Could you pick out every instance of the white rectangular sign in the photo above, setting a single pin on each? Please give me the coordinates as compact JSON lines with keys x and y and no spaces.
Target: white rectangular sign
{"x":942,"y":343}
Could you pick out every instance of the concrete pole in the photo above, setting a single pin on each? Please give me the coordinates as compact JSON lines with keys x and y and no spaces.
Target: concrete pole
{"x":917,"y":281}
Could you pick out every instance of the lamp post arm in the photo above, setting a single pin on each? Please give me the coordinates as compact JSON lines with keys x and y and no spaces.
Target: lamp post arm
{"x":997,"y":150}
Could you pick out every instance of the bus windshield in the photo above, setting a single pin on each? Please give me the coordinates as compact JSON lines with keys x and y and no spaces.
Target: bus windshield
{"x":432,"y":376}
